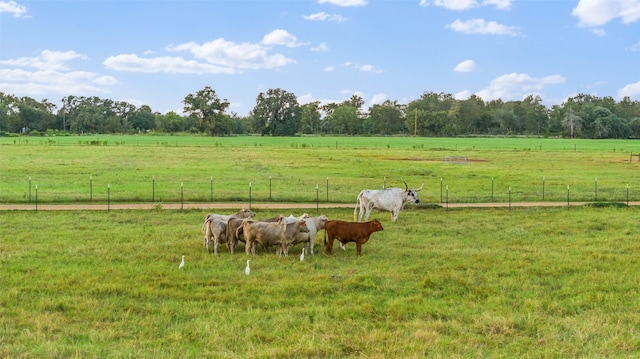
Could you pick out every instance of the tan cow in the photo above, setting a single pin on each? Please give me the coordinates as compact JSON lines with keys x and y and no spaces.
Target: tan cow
{"x":271,"y":233}
{"x":215,"y":226}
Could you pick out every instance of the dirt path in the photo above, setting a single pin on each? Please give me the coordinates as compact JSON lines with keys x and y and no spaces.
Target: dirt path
{"x":117,"y":206}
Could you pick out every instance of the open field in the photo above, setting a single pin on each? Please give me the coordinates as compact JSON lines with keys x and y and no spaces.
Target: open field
{"x":535,"y":282}
{"x":157,"y":169}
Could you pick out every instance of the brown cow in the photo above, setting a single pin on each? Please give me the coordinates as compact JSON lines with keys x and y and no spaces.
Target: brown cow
{"x":345,"y":232}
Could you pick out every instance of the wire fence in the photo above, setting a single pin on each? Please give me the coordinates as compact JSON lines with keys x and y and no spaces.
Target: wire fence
{"x":265,"y":190}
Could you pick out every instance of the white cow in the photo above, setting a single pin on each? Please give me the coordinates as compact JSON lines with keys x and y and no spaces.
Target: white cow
{"x":390,"y":200}
{"x":215,"y":227}
{"x":314,"y":224}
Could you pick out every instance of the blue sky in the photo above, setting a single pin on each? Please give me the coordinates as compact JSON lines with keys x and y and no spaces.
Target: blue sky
{"x":157,"y":52}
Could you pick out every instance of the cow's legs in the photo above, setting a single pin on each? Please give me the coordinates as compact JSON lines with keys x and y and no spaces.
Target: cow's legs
{"x":328,"y":245}
{"x":358,"y":247}
{"x":368,"y":213}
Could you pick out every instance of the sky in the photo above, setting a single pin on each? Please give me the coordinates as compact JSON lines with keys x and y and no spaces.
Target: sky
{"x":156,"y":52}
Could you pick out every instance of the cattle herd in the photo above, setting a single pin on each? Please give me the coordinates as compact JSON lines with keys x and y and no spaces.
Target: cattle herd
{"x":282,"y":232}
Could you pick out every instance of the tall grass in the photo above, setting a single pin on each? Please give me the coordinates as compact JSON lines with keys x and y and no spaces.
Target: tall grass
{"x":306,"y":169}
{"x":458,"y":283}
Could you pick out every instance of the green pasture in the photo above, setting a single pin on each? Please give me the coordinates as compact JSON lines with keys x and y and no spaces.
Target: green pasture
{"x":309,"y":169}
{"x":464,"y":283}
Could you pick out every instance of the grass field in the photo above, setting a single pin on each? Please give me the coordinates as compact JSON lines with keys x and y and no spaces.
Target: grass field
{"x":303,"y":169}
{"x":536,"y":283}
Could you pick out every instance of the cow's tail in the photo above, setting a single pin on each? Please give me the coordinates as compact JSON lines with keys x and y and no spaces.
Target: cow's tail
{"x":325,"y":237}
{"x":355,"y":210}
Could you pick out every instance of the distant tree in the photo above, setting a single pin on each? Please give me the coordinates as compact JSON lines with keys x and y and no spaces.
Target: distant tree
{"x":344,"y":120}
{"x":277,"y":113}
{"x":386,"y":118}
{"x":311,"y":119}
{"x":35,"y":115}
{"x":170,"y":122}
{"x":142,"y":119}
{"x":572,"y":123}
{"x":208,"y":111}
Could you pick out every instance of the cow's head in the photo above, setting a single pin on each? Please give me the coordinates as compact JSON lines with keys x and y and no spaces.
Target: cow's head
{"x":245,"y":212}
{"x":377,"y":226}
{"x":411,"y":194}
{"x":303,"y":226}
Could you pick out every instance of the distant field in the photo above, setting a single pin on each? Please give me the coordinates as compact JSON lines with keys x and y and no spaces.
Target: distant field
{"x":160,"y":169}
{"x":537,"y":283}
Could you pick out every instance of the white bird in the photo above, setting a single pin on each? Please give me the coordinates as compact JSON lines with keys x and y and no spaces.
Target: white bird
{"x":302,"y":255}
{"x":247,"y":270}
{"x":181,"y":263}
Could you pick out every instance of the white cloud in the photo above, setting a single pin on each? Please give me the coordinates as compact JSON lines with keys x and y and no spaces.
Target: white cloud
{"x":466,"y":4}
{"x":224,"y":53}
{"x":344,"y":3}
{"x":280,"y":37}
{"x":480,"y":26}
{"x":631,"y":90}
{"x":166,"y":64}
{"x":360,"y":67}
{"x":634,"y":47}
{"x":377,"y":99}
{"x":46,"y":60}
{"x":600,"y":32}
{"x":465,"y":66}
{"x":462,"y":95}
{"x":515,"y":86}
{"x":500,"y":4}
{"x":329,"y":69}
{"x":591,"y":13}
{"x":13,"y":7}
{"x":323,"y":16}
{"x":322,"y":47}
{"x":34,"y":83}
{"x":51,"y":74}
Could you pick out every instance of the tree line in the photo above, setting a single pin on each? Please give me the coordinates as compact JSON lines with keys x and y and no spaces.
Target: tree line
{"x":278,"y":113}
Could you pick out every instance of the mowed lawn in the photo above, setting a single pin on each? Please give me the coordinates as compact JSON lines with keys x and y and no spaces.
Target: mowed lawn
{"x":536,"y":282}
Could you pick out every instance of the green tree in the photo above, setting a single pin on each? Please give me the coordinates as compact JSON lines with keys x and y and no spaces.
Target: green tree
{"x":142,"y":119}
{"x":344,"y":120}
{"x":311,"y":119}
{"x":208,"y":111}
{"x":386,"y":119}
{"x":170,"y":122}
{"x":277,"y":113}
{"x":9,"y":119}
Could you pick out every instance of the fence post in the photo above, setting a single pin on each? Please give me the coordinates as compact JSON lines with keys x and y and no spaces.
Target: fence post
{"x":447,"y":207}
{"x":29,"y":189}
{"x":596,"y":190}
{"x":327,"y":189}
